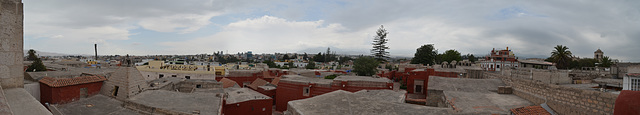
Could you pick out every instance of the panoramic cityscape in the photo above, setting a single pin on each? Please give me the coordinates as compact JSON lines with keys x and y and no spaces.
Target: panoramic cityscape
{"x":293,"y":57}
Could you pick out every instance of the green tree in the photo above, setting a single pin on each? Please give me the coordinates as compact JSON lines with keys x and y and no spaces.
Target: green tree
{"x":379,"y":50}
{"x":32,"y":55}
{"x":451,"y":55}
{"x":285,"y":57}
{"x":291,"y":65}
{"x":305,"y":56}
{"x":318,"y":58}
{"x":37,"y":64}
{"x":424,"y":55}
{"x":605,"y":62}
{"x":344,"y":59}
{"x":333,"y":76}
{"x":311,"y":65}
{"x":270,"y":63}
{"x":472,"y":58}
{"x":365,"y":66}
{"x":561,"y":56}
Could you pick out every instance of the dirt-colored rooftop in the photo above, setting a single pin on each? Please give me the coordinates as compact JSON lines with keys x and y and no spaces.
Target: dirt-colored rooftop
{"x":476,"y":96}
{"x":346,"y":103}
{"x":205,"y":103}
{"x":238,"y":95}
{"x":302,"y":79}
{"x":362,"y":78}
{"x":97,"y":104}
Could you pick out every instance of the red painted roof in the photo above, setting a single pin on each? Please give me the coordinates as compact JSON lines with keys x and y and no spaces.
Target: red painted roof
{"x":258,"y":82}
{"x":227,"y":82}
{"x":627,"y":103}
{"x":530,"y":110}
{"x":275,"y":81}
{"x":61,"y":82}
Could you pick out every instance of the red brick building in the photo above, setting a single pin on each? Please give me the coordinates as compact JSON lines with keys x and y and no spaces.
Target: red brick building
{"x":63,"y":90}
{"x":294,"y":87}
{"x":244,"y":101}
{"x":418,"y":80}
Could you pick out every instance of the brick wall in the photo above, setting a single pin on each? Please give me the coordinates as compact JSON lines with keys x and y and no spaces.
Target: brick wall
{"x":563,"y":100}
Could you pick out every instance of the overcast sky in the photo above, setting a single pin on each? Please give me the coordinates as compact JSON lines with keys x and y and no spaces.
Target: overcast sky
{"x":141,"y":27}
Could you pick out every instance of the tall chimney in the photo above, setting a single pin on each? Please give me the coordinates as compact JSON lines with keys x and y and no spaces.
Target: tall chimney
{"x":96,"y":50}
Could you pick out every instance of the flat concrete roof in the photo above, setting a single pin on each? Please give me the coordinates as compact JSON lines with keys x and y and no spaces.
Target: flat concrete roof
{"x":342,"y":102}
{"x":97,"y":104}
{"x":362,"y":78}
{"x":385,"y":95}
{"x":476,"y":96}
{"x":298,"y":78}
{"x":244,"y":94}
{"x":485,"y":103}
{"x":463,"y":84}
{"x":22,"y":103}
{"x":206,"y":103}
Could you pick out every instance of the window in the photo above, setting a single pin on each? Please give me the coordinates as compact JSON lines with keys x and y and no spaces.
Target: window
{"x":160,"y":76}
{"x":198,"y":86}
{"x":306,"y":91}
{"x":418,"y":88}
{"x":497,"y":66}
{"x":187,"y":77}
{"x":115,"y":91}
{"x":174,"y":75}
{"x":635,"y":85}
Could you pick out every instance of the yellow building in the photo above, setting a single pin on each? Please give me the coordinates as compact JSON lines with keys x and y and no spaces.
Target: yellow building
{"x":158,"y":69}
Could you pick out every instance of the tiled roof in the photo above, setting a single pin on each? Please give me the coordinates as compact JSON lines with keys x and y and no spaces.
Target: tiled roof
{"x":275,"y":81}
{"x":633,"y":74}
{"x":267,"y":74}
{"x":227,"y":82}
{"x":61,"y":82}
{"x":530,"y":110}
{"x":257,"y":82}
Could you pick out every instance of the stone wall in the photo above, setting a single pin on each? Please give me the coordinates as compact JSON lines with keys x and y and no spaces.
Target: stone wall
{"x":546,"y":76}
{"x":563,"y":100}
{"x":11,"y":54}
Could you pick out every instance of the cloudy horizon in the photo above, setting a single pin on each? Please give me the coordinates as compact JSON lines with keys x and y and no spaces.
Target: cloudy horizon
{"x":149,"y":27}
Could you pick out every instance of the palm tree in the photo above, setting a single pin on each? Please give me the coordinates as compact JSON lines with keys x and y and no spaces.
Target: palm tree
{"x":561,"y":56}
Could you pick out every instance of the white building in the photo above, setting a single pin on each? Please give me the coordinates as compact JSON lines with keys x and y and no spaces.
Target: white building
{"x":631,"y":81}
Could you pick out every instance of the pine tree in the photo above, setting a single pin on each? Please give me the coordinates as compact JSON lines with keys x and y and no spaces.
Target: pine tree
{"x":37,"y":64}
{"x":379,"y":47}
{"x":32,"y":55}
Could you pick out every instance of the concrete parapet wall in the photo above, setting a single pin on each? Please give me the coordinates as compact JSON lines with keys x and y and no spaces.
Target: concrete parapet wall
{"x":148,"y":110}
{"x":11,"y":54}
{"x":563,"y":100}
{"x":545,"y":76}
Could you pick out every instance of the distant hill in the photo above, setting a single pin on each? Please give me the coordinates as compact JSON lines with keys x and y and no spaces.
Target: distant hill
{"x":42,"y":53}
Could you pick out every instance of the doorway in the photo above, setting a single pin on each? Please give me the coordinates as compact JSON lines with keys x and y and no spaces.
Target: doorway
{"x":84,"y":92}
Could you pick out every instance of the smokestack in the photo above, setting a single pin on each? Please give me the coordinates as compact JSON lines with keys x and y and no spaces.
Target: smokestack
{"x":96,"y":50}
